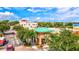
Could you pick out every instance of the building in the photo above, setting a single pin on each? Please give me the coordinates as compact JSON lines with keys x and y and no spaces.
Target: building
{"x":76,"y":28}
{"x":42,"y":32}
{"x":28,"y":24}
{"x":10,"y":34}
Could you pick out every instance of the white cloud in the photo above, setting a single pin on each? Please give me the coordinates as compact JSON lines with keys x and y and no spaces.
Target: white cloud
{"x":6,"y":13}
{"x":63,"y":9}
{"x":48,"y":8}
{"x":8,"y":16}
{"x":37,"y":18}
{"x":39,"y":10}
{"x":33,"y":10}
{"x":23,"y":18}
{"x":66,"y":13}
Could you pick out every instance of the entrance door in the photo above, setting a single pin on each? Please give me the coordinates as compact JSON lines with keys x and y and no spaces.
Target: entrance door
{"x":37,"y":41}
{"x":43,"y":41}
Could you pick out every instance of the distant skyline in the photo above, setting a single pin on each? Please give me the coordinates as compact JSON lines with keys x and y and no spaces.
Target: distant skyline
{"x":44,"y":14}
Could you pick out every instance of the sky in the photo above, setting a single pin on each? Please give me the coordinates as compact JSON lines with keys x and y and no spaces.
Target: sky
{"x":43,"y":14}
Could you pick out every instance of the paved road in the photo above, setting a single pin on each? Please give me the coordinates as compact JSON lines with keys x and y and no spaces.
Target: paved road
{"x":23,"y":48}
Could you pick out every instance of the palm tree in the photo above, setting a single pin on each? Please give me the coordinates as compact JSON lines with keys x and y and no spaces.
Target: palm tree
{"x":32,"y":36}
{"x":25,"y":35}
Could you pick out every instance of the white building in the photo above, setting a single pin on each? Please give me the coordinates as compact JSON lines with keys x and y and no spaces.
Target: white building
{"x":28,"y":24}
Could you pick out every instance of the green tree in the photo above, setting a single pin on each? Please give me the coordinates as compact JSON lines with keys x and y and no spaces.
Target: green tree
{"x":24,"y":34}
{"x":32,"y":34}
{"x":45,"y":24}
{"x":58,"y":24}
{"x":65,"y":41}
{"x":4,"y":22}
{"x":4,"y":27}
{"x":54,"y":42}
{"x":12,"y":23}
{"x":69,"y":24}
{"x":17,"y":28}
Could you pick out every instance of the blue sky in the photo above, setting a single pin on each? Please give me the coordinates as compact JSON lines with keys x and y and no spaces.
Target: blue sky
{"x":45,"y":14}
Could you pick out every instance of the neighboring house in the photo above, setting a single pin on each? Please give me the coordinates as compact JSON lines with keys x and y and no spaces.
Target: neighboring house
{"x":76,"y":28}
{"x":10,"y":34}
{"x":28,"y":24}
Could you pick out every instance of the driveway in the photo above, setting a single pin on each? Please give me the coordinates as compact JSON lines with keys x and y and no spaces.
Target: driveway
{"x":23,"y":48}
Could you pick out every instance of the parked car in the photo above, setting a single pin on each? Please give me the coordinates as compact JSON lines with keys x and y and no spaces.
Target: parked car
{"x":10,"y":47}
{"x":2,"y":41}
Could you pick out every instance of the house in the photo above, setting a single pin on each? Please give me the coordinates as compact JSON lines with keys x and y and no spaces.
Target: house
{"x":28,"y":24}
{"x":76,"y":28}
{"x":42,"y":33}
{"x":10,"y":34}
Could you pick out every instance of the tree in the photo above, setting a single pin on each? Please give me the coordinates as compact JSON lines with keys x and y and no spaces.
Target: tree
{"x":4,"y":22}
{"x":17,"y":28}
{"x":65,"y":41}
{"x":24,"y":34}
{"x":54,"y":42}
{"x":58,"y":24}
{"x":4,"y":27}
{"x":69,"y":24}
{"x":32,"y":34}
{"x":12,"y":23}
{"x":45,"y":24}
